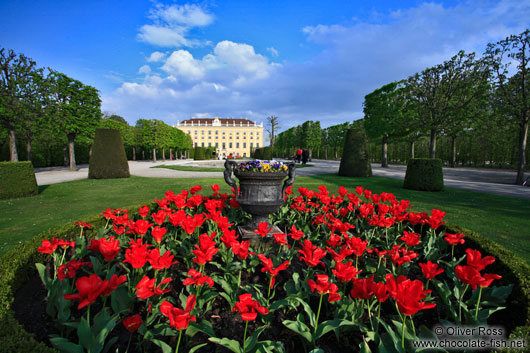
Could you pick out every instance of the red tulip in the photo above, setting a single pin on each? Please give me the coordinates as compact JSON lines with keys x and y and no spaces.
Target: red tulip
{"x":179,"y":319}
{"x":160,"y":262}
{"x":475,"y":259}
{"x":229,"y":236}
{"x":249,"y":308}
{"x":411,"y":239}
{"x":345,"y":272}
{"x":114,"y":282}
{"x":362,"y":288}
{"x":197,"y":279}
{"x":357,"y":245}
{"x":160,"y":216}
{"x":344,"y":252}
{"x":146,"y":287}
{"x":109,"y":248}
{"x":48,"y":247}
{"x":206,"y":249}
{"x":140,"y":227}
{"x":436,"y":218}
{"x":158,"y":233}
{"x":263,"y":229}
{"x":469,"y":275}
{"x":136,"y":254}
{"x":454,"y":239}
{"x":430,"y":270}
{"x":143,"y":211}
{"x":89,"y":288}
{"x":132,"y":323}
{"x":268,"y":267}
{"x":312,"y":254}
{"x":409,"y":295}
{"x":240,"y":249}
{"x":69,"y":269}
{"x":295,"y":233}
{"x":195,"y":189}
{"x":323,"y":286}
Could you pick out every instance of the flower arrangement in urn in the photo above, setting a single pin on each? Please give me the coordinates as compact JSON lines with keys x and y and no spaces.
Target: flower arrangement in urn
{"x":262,"y":166}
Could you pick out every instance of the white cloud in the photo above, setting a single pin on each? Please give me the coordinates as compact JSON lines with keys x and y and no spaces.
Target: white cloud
{"x":146,"y":69}
{"x":273,"y":52}
{"x":156,"y":56}
{"x":172,"y":24}
{"x":233,"y":80}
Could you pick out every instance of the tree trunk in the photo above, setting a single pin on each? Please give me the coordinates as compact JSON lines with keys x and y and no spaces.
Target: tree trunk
{"x":65,"y":152}
{"x":12,"y":146}
{"x":171,"y":154}
{"x":29,"y":153}
{"x":453,"y":153}
{"x":412,"y":143}
{"x":164,"y":154}
{"x":134,"y":153}
{"x":154,"y":154}
{"x":432,"y":144}
{"x":523,"y":137}
{"x":90,"y":151}
{"x":384,"y":152}
{"x":71,"y":152}
{"x":143,"y":155}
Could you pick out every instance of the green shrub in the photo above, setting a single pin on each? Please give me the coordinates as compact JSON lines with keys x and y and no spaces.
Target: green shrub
{"x":16,"y":268}
{"x":108,"y":156}
{"x":424,"y":174}
{"x":257,"y":153}
{"x":267,"y":153}
{"x":198,"y":154}
{"x":17,"y":179}
{"x":355,"y":161}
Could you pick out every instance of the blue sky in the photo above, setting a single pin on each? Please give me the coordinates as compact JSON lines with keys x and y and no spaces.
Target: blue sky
{"x":299,"y":60}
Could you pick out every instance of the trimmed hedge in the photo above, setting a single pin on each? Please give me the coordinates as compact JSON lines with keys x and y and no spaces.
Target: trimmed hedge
{"x":17,"y":179}
{"x":108,"y":156}
{"x":198,"y":154}
{"x":264,"y":153}
{"x":425,"y":174}
{"x":18,"y":266}
{"x":355,"y":161}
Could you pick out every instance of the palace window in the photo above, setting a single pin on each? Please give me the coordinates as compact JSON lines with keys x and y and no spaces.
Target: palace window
{"x":230,"y":145}
{"x":237,"y":144}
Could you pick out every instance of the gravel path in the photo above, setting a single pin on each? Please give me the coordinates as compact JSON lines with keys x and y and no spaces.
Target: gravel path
{"x":492,"y":181}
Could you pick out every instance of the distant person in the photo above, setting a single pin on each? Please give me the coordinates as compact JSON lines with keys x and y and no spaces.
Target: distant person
{"x":298,"y":155}
{"x":305,"y":155}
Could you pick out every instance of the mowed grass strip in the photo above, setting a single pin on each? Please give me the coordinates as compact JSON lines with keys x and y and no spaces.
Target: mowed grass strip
{"x":184,"y":168}
{"x":502,"y":219}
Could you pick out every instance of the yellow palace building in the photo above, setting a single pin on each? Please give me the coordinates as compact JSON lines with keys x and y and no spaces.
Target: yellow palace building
{"x":229,"y":136}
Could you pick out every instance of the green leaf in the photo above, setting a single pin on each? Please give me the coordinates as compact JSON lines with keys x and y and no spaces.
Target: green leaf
{"x":253,"y":339}
{"x":204,"y":327}
{"x":396,"y":338}
{"x":278,"y":304}
{"x":317,"y":350}
{"x":364,"y":348}
{"x":109,"y":344}
{"x":41,"y":269}
{"x":232,"y":345}
{"x":84,"y":333}
{"x":166,"y":348}
{"x":196,"y":348}
{"x":64,"y":345}
{"x":227,"y":298}
{"x":300,"y":328}
{"x":96,"y":264}
{"x":100,"y":321}
{"x":309,"y":312}
{"x":329,"y":325}
{"x":270,"y":347}
{"x":121,"y":300}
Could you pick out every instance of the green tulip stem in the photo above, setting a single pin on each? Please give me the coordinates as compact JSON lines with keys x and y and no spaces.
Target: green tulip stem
{"x":427,"y":285}
{"x":239,"y":278}
{"x":245,"y":336}
{"x":129,"y":343}
{"x":62,"y":258}
{"x":357,"y":262}
{"x":88,"y":315}
{"x":452,"y":252}
{"x":460,"y":306}
{"x":318,"y":312}
{"x":178,"y":341}
{"x":413,"y":328}
{"x":269,"y":292}
{"x":403,"y":331}
{"x":478,"y":303}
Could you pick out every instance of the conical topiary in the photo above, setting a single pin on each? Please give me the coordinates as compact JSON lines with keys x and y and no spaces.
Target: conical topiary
{"x":108,"y":158}
{"x":355,"y":162}
{"x":198,"y":155}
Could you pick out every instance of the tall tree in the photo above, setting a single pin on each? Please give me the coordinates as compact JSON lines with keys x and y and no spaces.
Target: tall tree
{"x":17,"y":78}
{"x":76,"y":108}
{"x":384,"y":116}
{"x":512,"y":85}
{"x":272,"y":127}
{"x":443,"y":90}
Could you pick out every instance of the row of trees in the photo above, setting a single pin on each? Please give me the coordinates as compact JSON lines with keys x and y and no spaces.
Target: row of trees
{"x":456,"y":99}
{"x":52,"y":111}
{"x":33,"y":99}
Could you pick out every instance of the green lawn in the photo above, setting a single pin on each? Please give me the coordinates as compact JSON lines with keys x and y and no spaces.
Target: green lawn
{"x":189,"y":169}
{"x":502,"y":219}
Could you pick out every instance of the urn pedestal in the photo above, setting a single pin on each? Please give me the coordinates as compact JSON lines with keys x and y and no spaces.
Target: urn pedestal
{"x":260,"y":194}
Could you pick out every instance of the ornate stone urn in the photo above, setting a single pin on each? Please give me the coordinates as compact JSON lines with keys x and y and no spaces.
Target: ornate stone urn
{"x":260,"y":194}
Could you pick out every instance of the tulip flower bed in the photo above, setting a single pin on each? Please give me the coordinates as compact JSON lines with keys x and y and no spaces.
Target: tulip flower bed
{"x":354,"y":272}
